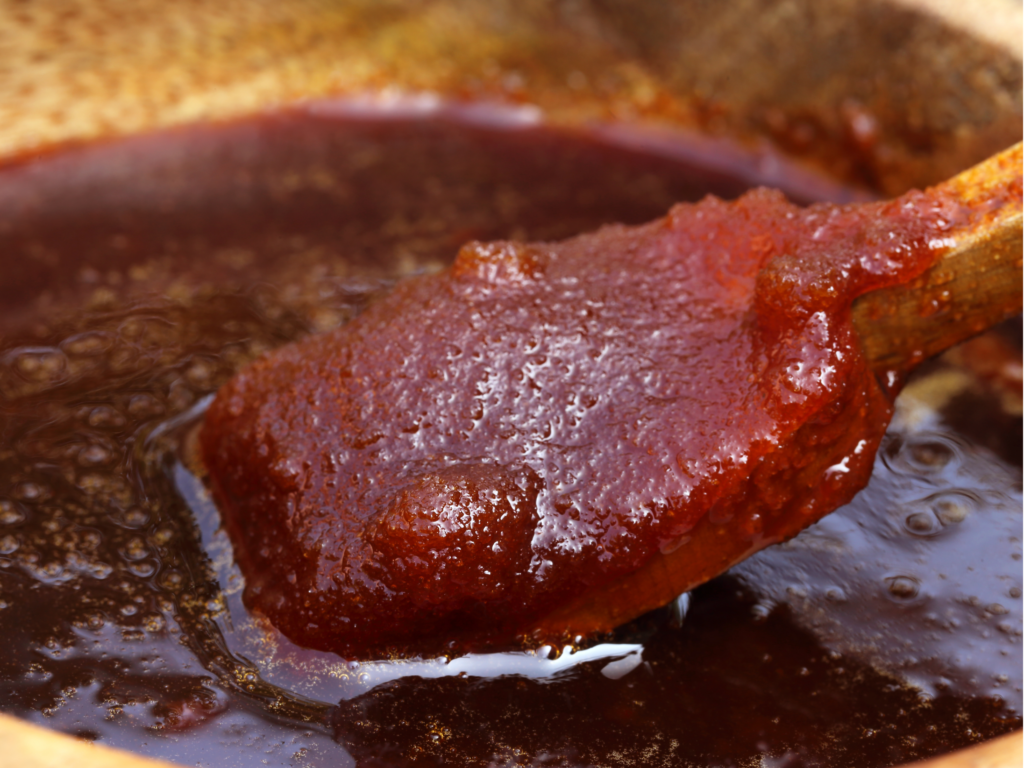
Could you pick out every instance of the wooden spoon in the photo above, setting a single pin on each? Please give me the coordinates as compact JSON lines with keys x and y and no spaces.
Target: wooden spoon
{"x":976,"y":284}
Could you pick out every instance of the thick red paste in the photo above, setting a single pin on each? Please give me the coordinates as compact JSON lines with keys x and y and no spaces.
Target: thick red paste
{"x":487,"y":444}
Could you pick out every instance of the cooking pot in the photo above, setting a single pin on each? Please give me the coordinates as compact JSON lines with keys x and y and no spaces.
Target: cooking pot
{"x":882,"y":95}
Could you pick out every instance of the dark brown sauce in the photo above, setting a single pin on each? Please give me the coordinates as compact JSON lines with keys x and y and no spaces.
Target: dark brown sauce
{"x":194,"y":251}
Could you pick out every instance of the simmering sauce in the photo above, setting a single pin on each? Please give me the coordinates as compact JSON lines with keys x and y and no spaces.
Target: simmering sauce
{"x":191,"y":253}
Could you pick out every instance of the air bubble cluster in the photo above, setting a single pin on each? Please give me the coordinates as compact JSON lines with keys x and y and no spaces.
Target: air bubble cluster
{"x":86,"y":507}
{"x":928,"y":556}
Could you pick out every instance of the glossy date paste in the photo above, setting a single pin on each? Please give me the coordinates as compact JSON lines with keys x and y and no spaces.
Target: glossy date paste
{"x":482,"y":445}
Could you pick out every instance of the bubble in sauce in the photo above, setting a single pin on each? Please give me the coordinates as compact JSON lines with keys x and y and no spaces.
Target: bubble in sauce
{"x":11,"y":513}
{"x":931,"y":454}
{"x":95,"y":456}
{"x":922,"y":523}
{"x":87,"y":344}
{"x":903,"y":587}
{"x":41,"y":365}
{"x":952,"y":508}
{"x":29,"y":491}
{"x":105,"y":417}
{"x":920,"y":454}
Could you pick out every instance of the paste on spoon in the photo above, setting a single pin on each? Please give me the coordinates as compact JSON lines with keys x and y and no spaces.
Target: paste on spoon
{"x":483,"y":445}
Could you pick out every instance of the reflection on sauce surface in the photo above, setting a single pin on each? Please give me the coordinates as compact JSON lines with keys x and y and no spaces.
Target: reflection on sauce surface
{"x":206,"y":247}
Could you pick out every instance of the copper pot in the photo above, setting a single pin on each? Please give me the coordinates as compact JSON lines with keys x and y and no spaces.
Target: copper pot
{"x":885,"y":94}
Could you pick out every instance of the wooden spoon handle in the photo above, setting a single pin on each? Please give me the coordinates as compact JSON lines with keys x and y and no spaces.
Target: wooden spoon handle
{"x":976,"y":284}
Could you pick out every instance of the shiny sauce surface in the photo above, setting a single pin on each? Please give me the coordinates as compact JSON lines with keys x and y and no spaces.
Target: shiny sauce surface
{"x":191,"y":253}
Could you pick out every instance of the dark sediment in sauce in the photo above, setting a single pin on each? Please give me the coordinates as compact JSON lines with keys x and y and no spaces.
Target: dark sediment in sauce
{"x":196,"y":251}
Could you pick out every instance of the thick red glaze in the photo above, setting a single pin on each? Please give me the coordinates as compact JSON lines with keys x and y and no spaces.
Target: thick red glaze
{"x":483,"y":445}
